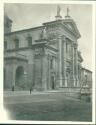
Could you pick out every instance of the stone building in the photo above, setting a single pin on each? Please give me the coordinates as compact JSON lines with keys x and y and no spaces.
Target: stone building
{"x":86,"y":78}
{"x":44,"y":57}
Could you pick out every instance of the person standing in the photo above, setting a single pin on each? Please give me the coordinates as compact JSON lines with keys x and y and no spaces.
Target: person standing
{"x":30,"y":90}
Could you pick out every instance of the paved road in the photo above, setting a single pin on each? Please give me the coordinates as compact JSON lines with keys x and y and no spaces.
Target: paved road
{"x":49,"y":106}
{"x":17,"y":93}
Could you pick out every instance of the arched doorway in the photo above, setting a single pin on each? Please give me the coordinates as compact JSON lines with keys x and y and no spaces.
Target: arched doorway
{"x":20,"y":77}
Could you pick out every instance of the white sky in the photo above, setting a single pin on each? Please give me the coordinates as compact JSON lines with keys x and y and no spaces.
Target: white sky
{"x":30,"y":15}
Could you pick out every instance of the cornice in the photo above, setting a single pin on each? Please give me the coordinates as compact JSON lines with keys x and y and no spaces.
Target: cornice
{"x":15,"y":58}
{"x":19,"y":49}
{"x":24,"y":30}
{"x":51,"y":48}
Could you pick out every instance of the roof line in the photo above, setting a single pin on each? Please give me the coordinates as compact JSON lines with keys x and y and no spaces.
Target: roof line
{"x":23,"y":30}
{"x":86,"y":69}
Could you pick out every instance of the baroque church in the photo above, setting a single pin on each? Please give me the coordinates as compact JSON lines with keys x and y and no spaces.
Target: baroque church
{"x":44,"y":57}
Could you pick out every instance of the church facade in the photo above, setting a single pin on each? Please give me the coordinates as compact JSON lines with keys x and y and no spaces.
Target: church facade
{"x":44,"y":57}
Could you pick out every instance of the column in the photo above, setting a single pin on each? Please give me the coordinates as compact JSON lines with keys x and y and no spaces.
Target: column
{"x":77,"y":68}
{"x":34,"y":63}
{"x":80,"y":80}
{"x":48,"y":77}
{"x":41,"y":61}
{"x":60,"y":61}
{"x":64,"y":58}
{"x":13,"y":75}
{"x":76,"y":64}
{"x":73,"y":59}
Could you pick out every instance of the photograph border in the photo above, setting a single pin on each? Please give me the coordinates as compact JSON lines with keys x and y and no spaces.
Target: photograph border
{"x":5,"y":120}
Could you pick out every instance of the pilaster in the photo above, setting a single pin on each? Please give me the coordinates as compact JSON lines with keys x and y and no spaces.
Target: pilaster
{"x":76,"y":64}
{"x":60,"y":61}
{"x":73,"y":65}
{"x":64,"y":59}
{"x":48,"y":77}
{"x":13,"y":75}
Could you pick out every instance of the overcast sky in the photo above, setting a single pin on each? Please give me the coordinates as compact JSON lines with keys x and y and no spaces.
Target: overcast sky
{"x":30,"y":15}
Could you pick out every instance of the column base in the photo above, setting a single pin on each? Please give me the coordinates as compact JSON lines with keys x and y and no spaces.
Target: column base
{"x":61,"y":82}
{"x":76,"y":83}
{"x":65,"y":82}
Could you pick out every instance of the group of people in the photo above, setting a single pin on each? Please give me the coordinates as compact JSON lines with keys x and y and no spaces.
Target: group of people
{"x":13,"y":89}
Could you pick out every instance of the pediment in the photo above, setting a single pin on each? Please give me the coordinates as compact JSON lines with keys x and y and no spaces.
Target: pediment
{"x":71,"y":25}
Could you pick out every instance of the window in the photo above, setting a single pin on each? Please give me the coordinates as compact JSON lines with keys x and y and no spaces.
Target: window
{"x":16,"y":43}
{"x":5,"y":45}
{"x":29,"y":41}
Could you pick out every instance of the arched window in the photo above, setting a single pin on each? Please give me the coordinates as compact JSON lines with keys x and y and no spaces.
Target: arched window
{"x":29,"y":39}
{"x":5,"y":45}
{"x":16,"y":43}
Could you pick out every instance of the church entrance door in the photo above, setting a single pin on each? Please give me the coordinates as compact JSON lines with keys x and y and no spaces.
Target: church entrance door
{"x":19,"y":78}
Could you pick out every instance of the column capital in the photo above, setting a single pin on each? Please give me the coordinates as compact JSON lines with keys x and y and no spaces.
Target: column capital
{"x":75,"y":45}
{"x":49,"y":56}
{"x":72,"y":44}
{"x":59,"y":37}
{"x":64,"y":38}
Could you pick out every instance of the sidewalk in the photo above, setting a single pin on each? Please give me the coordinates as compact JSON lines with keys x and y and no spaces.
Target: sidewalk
{"x":16,"y":93}
{"x":22,"y":93}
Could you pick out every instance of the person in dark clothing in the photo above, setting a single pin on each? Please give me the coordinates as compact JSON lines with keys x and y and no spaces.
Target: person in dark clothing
{"x":30,"y":90}
{"x":12,"y":88}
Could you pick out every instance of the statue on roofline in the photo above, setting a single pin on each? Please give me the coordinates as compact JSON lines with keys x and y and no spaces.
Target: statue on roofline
{"x":58,"y":16}
{"x":58,"y":10}
{"x":43,"y":34}
{"x":67,"y":16}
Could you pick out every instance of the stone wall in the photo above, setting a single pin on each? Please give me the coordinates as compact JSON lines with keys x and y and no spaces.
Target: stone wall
{"x":22,"y":37}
